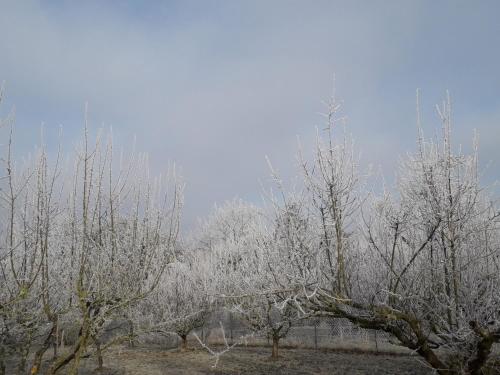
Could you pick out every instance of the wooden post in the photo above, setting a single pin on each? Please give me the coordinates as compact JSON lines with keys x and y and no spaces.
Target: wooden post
{"x":61,"y":348}
{"x":231,"y":327}
{"x":315,"y":336}
{"x":56,"y":338}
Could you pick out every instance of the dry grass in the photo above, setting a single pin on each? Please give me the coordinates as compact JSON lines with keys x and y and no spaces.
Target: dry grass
{"x":253,"y":361}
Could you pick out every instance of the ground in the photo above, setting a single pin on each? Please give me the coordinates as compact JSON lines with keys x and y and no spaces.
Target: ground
{"x":253,"y":361}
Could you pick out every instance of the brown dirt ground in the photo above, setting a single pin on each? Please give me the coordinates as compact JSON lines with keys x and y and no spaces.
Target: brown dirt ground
{"x":253,"y":361}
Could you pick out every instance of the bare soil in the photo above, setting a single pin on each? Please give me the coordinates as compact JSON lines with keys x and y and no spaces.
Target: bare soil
{"x":253,"y":361}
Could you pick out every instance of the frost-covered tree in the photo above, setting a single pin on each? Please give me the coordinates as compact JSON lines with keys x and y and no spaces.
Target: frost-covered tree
{"x":420,"y":262}
{"x":29,"y":212}
{"x":242,"y":253}
{"x":183,"y":300}
{"x":435,"y":244}
{"x":317,"y":226}
{"x":332,"y":183}
{"x":123,"y":229}
{"x":79,"y":245}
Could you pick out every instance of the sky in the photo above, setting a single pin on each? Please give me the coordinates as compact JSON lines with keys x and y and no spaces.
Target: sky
{"x":216,"y":86}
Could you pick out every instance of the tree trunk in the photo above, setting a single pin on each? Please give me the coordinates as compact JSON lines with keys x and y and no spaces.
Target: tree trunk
{"x":483,"y":351}
{"x":131,"y":333}
{"x":99,"y":354}
{"x":74,"y":355}
{"x":184,"y":344}
{"x":61,"y":362}
{"x":274,"y":354}
{"x":2,"y":360}
{"x":434,"y":361}
{"x":37,"y":362}
{"x":21,"y":367}
{"x":78,"y":355}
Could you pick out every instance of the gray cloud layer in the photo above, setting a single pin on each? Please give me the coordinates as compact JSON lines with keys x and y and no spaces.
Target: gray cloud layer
{"x":216,"y":85}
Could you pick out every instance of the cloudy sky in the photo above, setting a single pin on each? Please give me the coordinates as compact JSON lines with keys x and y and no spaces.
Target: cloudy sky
{"x":217,"y":85}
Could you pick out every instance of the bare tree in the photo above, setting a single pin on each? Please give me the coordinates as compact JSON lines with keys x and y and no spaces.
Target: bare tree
{"x":79,"y":250}
{"x":423,"y":264}
{"x":29,"y":205}
{"x":436,"y":245}
{"x":183,"y":300}
{"x":332,"y":183}
{"x":123,"y":229}
{"x":242,"y":255}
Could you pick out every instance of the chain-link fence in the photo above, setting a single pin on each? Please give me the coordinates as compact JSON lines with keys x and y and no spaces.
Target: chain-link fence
{"x":317,"y":333}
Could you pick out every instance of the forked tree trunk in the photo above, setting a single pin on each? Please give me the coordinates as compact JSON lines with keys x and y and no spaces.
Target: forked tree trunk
{"x":75,"y":355}
{"x":37,"y":361}
{"x":274,"y":353}
{"x":63,"y":361}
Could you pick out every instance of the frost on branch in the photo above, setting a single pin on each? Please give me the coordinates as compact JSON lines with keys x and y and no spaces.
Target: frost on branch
{"x":420,"y":262}
{"x":84,"y":238}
